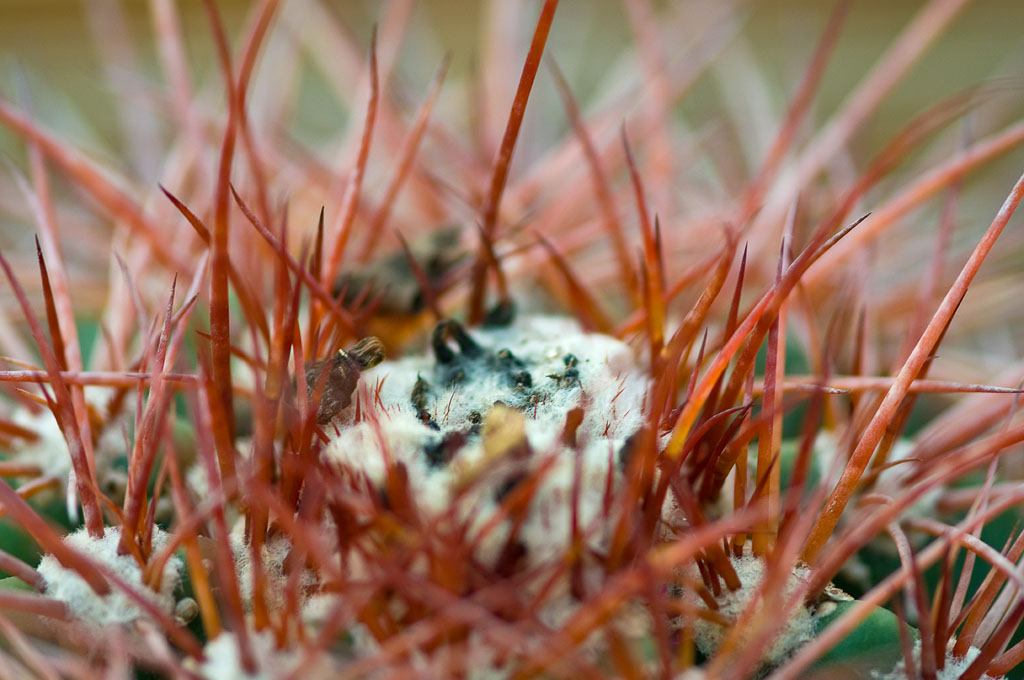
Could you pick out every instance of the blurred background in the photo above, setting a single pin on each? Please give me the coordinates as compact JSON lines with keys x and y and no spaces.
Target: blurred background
{"x":90,"y":71}
{"x":57,"y":44}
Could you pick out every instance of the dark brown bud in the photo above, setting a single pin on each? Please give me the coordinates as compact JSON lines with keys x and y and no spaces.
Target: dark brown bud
{"x":368,"y":352}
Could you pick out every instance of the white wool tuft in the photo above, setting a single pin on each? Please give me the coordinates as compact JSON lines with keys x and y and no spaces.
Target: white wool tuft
{"x":954,"y":667}
{"x":222,"y":660}
{"x":610,"y":389}
{"x":274,"y":552}
{"x":799,"y":625}
{"x":115,"y":607}
{"x":49,"y":452}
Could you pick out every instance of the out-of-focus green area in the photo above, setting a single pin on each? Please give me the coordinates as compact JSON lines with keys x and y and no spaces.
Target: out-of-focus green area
{"x":55,"y":42}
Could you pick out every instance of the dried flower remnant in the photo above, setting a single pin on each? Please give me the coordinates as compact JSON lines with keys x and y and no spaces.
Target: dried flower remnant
{"x":336,"y":377}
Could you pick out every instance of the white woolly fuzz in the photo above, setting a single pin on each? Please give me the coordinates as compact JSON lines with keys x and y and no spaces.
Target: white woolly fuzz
{"x":49,"y":451}
{"x":567,"y":369}
{"x":610,"y":387}
{"x":273,"y":554}
{"x":115,"y":607}
{"x":222,"y":660}
{"x":798,"y":625}
{"x":954,"y":667}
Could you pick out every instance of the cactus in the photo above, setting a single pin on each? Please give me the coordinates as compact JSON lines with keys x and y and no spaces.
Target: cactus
{"x":667,"y":396}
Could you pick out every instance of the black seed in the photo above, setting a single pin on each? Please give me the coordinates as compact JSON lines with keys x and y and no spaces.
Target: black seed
{"x":522,"y":379}
{"x":502,"y":314}
{"x":451,"y":329}
{"x":626,"y":450}
{"x":443,"y":353}
{"x":420,"y":390}
{"x":504,"y":360}
{"x":441,"y":452}
{"x":425,"y":418}
{"x":467,"y":345}
{"x":435,"y":453}
{"x":475,"y":417}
